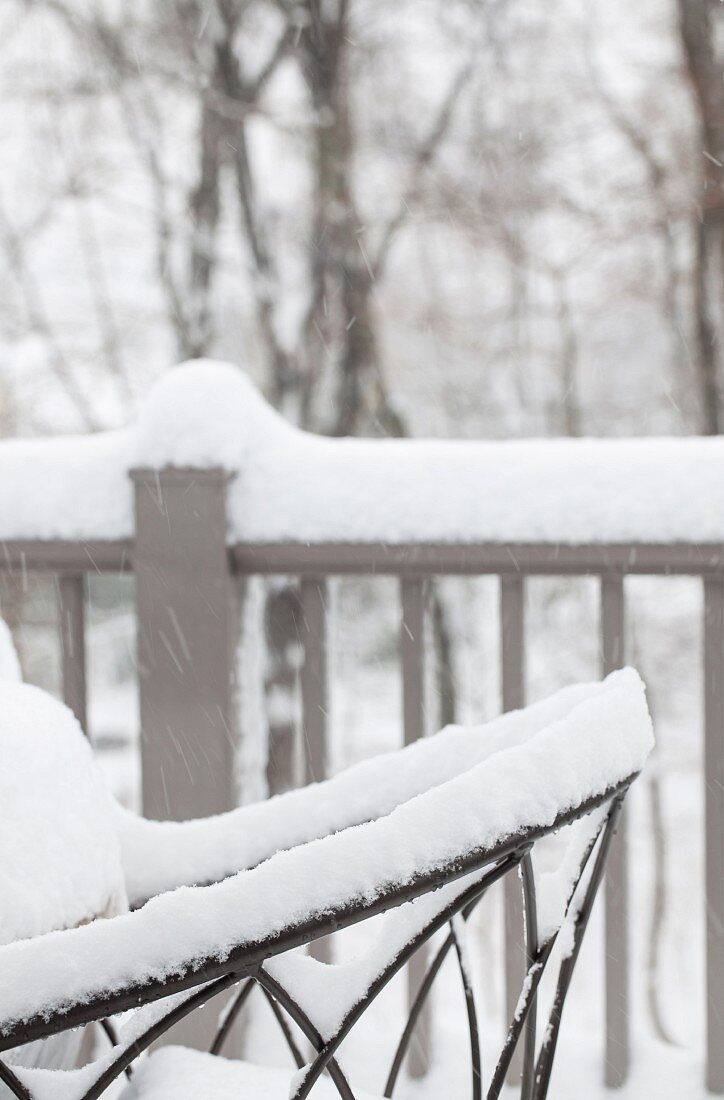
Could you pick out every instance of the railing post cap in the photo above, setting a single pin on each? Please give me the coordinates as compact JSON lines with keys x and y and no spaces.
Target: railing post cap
{"x":175,"y":475}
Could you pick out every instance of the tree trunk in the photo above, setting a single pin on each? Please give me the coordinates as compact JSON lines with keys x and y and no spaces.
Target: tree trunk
{"x":700,"y":23}
{"x":204,"y":207}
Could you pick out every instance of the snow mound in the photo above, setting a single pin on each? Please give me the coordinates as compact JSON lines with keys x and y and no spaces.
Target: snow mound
{"x":59,"y":853}
{"x":175,"y":1073}
{"x":204,"y":414}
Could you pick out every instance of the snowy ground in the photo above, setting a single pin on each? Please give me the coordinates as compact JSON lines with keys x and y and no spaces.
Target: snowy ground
{"x":665,"y":642}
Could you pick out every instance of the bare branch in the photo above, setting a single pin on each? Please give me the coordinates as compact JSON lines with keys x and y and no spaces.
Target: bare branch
{"x":40,"y":323}
{"x":421,"y":160}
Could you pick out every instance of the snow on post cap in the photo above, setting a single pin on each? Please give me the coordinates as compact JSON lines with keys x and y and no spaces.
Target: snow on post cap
{"x":202,"y":414}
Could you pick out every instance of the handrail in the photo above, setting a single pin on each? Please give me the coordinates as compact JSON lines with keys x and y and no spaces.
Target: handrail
{"x":476,"y":559}
{"x":389,"y":559}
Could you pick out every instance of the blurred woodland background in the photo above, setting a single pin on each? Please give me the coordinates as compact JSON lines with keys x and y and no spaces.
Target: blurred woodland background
{"x":459,"y":218}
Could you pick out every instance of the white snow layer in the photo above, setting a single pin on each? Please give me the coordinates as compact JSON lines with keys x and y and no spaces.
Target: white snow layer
{"x":59,"y":853}
{"x":175,"y":1073}
{"x":528,"y":778}
{"x":293,"y":486}
{"x":162,"y":855}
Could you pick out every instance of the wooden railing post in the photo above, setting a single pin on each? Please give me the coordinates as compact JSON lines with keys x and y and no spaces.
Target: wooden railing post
{"x":188,"y":623}
{"x":71,"y":615}
{"x":188,"y":618}
{"x":617,"y":1053}
{"x":314,"y":689}
{"x":413,"y":595}
{"x":512,"y":661}
{"x":714,"y":824}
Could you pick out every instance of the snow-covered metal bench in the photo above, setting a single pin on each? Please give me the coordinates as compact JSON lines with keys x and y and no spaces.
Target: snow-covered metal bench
{"x":419,"y":834}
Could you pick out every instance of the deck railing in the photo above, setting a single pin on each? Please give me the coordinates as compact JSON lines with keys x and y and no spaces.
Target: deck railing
{"x":190,"y":576}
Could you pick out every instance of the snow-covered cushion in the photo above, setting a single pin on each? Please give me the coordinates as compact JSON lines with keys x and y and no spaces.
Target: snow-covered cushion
{"x":60,"y":860}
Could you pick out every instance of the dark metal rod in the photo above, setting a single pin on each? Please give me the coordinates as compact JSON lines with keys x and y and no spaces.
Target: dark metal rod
{"x":325,"y":1051}
{"x":548,"y":1049}
{"x":517,"y":1024}
{"x":531,"y":956}
{"x":158,"y":1028}
{"x":285,"y":1030}
{"x":535,"y":973}
{"x":414,"y":1011}
{"x":426,"y":985}
{"x":231,"y":1016}
{"x":476,"y":1066}
{"x":14,"y":1083}
{"x":408,"y":951}
{"x":108,"y":1028}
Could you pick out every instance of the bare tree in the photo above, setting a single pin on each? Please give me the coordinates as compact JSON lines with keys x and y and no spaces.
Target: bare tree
{"x":701,"y":24}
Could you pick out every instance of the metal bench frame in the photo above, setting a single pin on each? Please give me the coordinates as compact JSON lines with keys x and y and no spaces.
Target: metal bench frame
{"x":244,"y":966}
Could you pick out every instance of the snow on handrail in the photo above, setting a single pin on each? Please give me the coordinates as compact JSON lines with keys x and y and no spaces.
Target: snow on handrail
{"x":292,"y":486}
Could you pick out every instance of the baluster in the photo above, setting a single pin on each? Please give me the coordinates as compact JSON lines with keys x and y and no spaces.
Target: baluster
{"x":616,"y":940}
{"x":314,"y":688}
{"x":714,"y":824}
{"x":313,"y":678}
{"x":71,"y":616}
{"x":512,"y":657}
{"x":413,"y":594}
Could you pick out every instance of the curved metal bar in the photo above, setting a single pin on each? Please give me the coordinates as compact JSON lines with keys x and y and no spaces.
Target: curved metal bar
{"x":285,"y":1029}
{"x":475,"y":1059}
{"x":230,"y":1018}
{"x":158,"y":1028}
{"x":531,"y":958}
{"x":14,"y":1083}
{"x":400,"y":960}
{"x":420,"y":997}
{"x":548,"y":1049}
{"x":302,"y":1020}
{"x":518,"y":1022}
{"x":415,"y":1009}
{"x":110,"y":1031}
{"x":534,"y":976}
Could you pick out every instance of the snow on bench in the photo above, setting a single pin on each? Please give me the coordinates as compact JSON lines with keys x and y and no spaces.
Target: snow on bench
{"x":293,"y":486}
{"x":530,"y":771}
{"x":162,"y":855}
